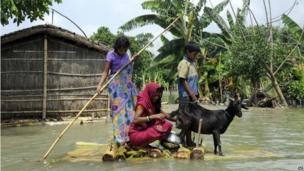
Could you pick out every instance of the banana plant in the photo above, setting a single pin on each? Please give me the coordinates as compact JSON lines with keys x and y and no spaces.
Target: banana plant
{"x":293,"y":27}
{"x":297,"y":33}
{"x":188,"y":28}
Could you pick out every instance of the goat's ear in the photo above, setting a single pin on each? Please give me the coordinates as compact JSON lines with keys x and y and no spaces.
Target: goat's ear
{"x":231,"y":99}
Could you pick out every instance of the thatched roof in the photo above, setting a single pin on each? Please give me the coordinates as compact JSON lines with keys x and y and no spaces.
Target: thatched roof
{"x":54,"y":31}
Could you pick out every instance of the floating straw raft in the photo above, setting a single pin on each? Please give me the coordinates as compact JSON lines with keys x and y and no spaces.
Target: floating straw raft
{"x":93,"y":152}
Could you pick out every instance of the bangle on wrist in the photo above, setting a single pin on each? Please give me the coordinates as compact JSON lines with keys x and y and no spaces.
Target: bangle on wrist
{"x":148,"y":118}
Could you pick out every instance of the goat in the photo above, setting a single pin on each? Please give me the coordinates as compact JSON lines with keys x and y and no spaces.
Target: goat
{"x":215,"y":122}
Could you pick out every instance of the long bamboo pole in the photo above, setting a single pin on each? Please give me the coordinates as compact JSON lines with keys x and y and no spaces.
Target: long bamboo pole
{"x":104,"y":86}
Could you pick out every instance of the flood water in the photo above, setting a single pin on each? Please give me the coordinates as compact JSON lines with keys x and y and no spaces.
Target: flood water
{"x":275,"y":132}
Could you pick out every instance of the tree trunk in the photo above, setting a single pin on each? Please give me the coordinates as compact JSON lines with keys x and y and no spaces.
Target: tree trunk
{"x":269,"y":68}
{"x":221,"y":90}
{"x":207,"y":89}
{"x":256,"y":86}
{"x":276,"y":86}
{"x":171,"y":97}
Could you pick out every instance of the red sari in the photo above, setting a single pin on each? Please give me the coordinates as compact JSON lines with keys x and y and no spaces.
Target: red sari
{"x":157,"y":129}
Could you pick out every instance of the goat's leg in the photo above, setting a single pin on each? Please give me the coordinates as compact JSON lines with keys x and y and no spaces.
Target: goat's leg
{"x":185,"y":134}
{"x":218,"y":142}
{"x":182,"y":136}
{"x":215,"y":143}
{"x":190,"y":143}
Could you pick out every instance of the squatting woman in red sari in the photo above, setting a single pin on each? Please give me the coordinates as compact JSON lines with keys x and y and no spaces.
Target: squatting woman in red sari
{"x":149,"y":122}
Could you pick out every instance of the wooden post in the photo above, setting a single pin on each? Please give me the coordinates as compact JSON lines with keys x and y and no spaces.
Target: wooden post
{"x":45,"y":77}
{"x":199,"y":132}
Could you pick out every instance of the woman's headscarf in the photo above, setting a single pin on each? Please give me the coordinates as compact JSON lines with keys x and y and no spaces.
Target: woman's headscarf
{"x":145,"y":97}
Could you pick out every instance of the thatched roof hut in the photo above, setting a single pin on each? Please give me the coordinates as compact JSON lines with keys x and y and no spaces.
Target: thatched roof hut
{"x":47,"y":71}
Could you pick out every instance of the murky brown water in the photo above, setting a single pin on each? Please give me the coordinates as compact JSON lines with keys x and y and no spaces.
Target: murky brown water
{"x":276,"y":135}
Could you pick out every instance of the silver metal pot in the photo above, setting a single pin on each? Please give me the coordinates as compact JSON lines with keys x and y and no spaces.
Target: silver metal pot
{"x":173,"y":138}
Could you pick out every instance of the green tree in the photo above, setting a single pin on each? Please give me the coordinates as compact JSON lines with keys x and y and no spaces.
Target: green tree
{"x":248,"y":56}
{"x":237,"y":36}
{"x":142,"y":64}
{"x":216,"y":71}
{"x":19,"y":10}
{"x":104,"y":36}
{"x":292,"y":48}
